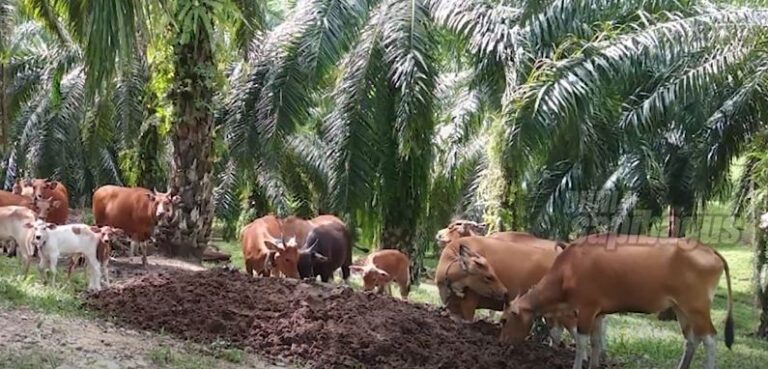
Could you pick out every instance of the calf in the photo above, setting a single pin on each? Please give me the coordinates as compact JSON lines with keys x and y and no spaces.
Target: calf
{"x":384,"y":266}
{"x":12,"y":221}
{"x":327,"y":247}
{"x":53,"y":241}
{"x":608,"y":273}
{"x":263,"y":253}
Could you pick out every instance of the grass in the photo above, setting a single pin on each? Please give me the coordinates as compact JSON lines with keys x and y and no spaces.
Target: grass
{"x":194,"y":357}
{"x":17,"y":290}
{"x":29,"y":360}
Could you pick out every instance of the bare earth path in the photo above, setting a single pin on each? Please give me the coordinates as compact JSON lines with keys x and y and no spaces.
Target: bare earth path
{"x":33,"y":340}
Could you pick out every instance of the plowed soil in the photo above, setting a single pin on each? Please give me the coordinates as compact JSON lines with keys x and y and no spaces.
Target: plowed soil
{"x":324,"y":327}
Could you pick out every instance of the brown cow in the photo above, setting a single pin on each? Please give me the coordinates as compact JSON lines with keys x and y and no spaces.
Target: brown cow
{"x":43,"y":188}
{"x":523,"y":268}
{"x":464,"y":265}
{"x":607,"y":273}
{"x":135,"y":210}
{"x":384,"y":266}
{"x":263,"y":251}
{"x":518,"y":265}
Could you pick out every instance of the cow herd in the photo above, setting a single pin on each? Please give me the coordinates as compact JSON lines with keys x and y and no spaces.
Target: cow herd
{"x":293,"y":247}
{"x":34,"y":217}
{"x":575,"y":285}
{"x":572,"y":286}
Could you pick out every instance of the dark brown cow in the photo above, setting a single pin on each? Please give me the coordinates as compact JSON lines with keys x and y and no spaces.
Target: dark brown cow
{"x":264,"y":250}
{"x":327,"y":247}
{"x":135,"y":210}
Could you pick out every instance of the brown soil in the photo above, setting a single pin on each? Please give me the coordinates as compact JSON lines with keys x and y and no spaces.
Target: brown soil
{"x":326,"y":327}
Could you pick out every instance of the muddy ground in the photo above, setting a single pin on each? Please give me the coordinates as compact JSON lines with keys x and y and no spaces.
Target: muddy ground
{"x":321,"y":326}
{"x":34,"y":340}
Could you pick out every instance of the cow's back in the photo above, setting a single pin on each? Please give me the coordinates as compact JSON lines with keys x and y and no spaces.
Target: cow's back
{"x":390,"y":261}
{"x":611,"y":265}
{"x":12,"y":220}
{"x":524,"y":238}
{"x":125,"y":208}
{"x":254,"y":233}
{"x":332,"y":242}
{"x":10,"y":199}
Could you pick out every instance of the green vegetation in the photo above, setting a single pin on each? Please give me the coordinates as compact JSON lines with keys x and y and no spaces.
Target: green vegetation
{"x":30,"y":360}
{"x":16,"y":290}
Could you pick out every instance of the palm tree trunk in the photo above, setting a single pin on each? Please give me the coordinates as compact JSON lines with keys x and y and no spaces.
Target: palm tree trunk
{"x":675,"y":222}
{"x":4,"y":115}
{"x":402,"y":211}
{"x":761,"y":288}
{"x":192,"y":137}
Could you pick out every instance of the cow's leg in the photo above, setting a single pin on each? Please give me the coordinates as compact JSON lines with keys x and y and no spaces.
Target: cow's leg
{"x":581,"y":350}
{"x":584,"y":327}
{"x":691,"y":342}
{"x":94,"y":272}
{"x":71,"y":266}
{"x":596,"y":341}
{"x":249,"y":267}
{"x":555,"y":332}
{"x":132,"y":250}
{"x":144,"y":245}
{"x":52,"y":261}
{"x":345,"y":274}
{"x":710,"y":346}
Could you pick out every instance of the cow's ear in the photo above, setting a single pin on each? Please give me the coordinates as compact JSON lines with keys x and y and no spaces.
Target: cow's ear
{"x":95,"y":229}
{"x":384,"y":275}
{"x":465,"y":257}
{"x":28,"y":225}
{"x":55,"y":204}
{"x":176,"y":199}
{"x":50,"y":226}
{"x":356,"y":268}
{"x":319,"y":257}
{"x":151,"y":196}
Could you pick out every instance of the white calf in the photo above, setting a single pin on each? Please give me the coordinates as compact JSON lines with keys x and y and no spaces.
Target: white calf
{"x":12,"y":221}
{"x":53,"y":241}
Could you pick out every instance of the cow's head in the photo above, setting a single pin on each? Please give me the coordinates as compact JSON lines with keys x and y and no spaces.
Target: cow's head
{"x":45,"y":205}
{"x":309,"y":259}
{"x":163,"y":204}
{"x":458,"y":229}
{"x":516,"y":321}
{"x":283,"y":256}
{"x":372,"y":276}
{"x":106,"y":236}
{"x":39,"y":233}
{"x":474,"y":272}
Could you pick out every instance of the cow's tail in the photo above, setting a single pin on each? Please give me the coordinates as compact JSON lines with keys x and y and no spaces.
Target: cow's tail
{"x":729,"y":334}
{"x":407,"y":280}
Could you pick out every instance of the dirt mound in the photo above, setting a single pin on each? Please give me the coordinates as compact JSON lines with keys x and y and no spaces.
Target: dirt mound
{"x":326,"y":327}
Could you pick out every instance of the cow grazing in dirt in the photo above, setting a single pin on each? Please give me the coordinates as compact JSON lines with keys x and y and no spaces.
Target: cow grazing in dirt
{"x":460,"y":268}
{"x":53,"y":241}
{"x":519,"y":259}
{"x":607,"y":273}
{"x":264,"y":253}
{"x":516,"y":265}
{"x":382,"y":267}
{"x":46,"y":189}
{"x":12,"y":227}
{"x":135,"y":210}
{"x":327,"y":247}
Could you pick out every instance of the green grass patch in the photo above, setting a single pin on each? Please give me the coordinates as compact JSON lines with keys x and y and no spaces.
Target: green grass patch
{"x":20,"y":291}
{"x":29,"y":360}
